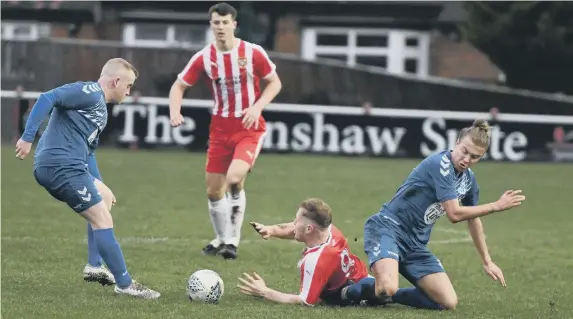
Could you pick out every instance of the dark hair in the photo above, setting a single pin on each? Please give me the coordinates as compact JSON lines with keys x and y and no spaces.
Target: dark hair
{"x":223,"y":9}
{"x":479,"y":133}
{"x":317,"y":211}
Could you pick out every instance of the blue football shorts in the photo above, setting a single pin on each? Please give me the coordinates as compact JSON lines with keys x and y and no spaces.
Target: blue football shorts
{"x":383,"y":239}
{"x":74,"y":186}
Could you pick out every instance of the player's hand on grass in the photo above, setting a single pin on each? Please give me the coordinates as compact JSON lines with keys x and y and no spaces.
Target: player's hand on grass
{"x":176,"y":119}
{"x":494,"y":272}
{"x":252,"y":285}
{"x":23,"y":148}
{"x":508,"y":200}
{"x":251,"y":117}
{"x":266,"y":232}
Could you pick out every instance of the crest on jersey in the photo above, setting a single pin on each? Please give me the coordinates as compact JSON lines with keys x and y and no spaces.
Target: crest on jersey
{"x":242,"y":62}
{"x":433,"y":212}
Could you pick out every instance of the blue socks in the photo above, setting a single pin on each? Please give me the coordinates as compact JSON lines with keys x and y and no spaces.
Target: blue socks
{"x":109,"y":249}
{"x":94,"y":258}
{"x":414,"y":297}
{"x":362,"y":290}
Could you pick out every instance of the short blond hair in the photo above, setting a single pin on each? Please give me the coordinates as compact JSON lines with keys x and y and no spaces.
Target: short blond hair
{"x":114,"y":64}
{"x":317,"y":211}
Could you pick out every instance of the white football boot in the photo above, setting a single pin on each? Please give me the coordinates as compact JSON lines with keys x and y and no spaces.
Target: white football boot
{"x":137,"y":290}
{"x":98,"y":274}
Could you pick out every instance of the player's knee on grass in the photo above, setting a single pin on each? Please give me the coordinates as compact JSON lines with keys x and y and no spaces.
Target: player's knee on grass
{"x":98,"y":216}
{"x":385,"y":272}
{"x":439,"y":288}
{"x":447,"y":301}
{"x":450,"y":303}
{"x":216,"y":186}
{"x":105,"y":193}
{"x":385,"y":287}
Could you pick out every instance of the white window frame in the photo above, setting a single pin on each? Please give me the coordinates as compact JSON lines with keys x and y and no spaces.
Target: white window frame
{"x":397,"y":52}
{"x":130,"y":39}
{"x":8,"y":28}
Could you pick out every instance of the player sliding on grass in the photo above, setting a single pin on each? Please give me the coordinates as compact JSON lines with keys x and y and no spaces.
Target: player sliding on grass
{"x":326,"y":265}
{"x":395,"y":239}
{"x":65,"y":166}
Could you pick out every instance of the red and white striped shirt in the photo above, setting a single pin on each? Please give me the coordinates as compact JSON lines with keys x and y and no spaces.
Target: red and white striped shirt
{"x":234,"y":75}
{"x":327,"y":267}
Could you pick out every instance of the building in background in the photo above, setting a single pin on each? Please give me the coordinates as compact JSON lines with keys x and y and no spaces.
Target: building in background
{"x":386,"y":55}
{"x":417,"y":38}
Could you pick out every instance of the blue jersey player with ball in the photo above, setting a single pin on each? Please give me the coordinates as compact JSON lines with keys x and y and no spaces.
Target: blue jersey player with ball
{"x":396,"y":238}
{"x":65,"y":165}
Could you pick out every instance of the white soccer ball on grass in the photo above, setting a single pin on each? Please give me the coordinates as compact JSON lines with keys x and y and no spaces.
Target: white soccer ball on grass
{"x":205,"y":286}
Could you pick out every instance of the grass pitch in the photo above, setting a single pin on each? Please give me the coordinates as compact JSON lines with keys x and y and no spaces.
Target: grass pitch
{"x":161,"y":221}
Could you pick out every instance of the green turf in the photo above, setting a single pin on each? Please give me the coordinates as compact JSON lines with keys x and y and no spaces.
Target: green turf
{"x":161,"y":196}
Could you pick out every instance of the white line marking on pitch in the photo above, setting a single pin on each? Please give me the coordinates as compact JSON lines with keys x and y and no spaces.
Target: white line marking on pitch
{"x":452,"y":231}
{"x":160,"y":240}
{"x":121,"y":240}
{"x":451,"y":241}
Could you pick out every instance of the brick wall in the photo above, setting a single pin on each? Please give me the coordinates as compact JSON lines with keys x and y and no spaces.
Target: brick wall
{"x":460,"y":60}
{"x":287,"y":37}
{"x":89,"y":31}
{"x":62,"y":30}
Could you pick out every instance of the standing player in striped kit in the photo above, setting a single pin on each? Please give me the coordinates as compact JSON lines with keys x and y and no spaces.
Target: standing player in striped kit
{"x":234,"y":68}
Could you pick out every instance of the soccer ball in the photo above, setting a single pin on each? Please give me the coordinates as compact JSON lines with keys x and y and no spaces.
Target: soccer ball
{"x":205,"y":285}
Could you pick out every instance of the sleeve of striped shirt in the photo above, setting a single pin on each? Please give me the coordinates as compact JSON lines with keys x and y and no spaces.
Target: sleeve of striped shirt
{"x":315,"y":273}
{"x":193,"y":70}
{"x":263,"y":66}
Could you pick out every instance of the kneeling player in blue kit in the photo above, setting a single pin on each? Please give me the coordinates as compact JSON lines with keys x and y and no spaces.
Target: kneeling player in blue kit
{"x":64,"y":164}
{"x":396,"y":238}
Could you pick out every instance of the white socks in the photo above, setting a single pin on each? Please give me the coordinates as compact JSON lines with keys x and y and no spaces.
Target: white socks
{"x":227,"y":225}
{"x":219,"y":212}
{"x":236,"y":217}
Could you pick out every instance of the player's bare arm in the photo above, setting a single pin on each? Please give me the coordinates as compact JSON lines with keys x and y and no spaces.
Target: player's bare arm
{"x":282,"y":231}
{"x":175,"y":100}
{"x":478,"y":236}
{"x":186,"y":78}
{"x":255,"y":286}
{"x":273,"y":88}
{"x":251,"y":115}
{"x":457,"y":213}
